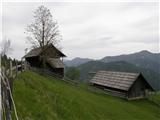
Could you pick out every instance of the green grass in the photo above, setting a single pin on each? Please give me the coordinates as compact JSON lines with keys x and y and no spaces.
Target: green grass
{"x":155,"y":98}
{"x":40,"y":97}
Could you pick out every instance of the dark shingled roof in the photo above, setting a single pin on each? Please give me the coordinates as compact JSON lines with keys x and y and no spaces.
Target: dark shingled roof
{"x":33,"y":52}
{"x":117,"y":80}
{"x":55,"y":63}
{"x":38,"y":51}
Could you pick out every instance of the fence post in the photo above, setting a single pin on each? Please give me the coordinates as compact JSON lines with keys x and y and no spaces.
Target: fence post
{"x":21,"y":66}
{"x":25,"y":65}
{"x":5,"y":97}
{"x":16,"y":69}
{"x":1,"y":91}
{"x":10,"y":69}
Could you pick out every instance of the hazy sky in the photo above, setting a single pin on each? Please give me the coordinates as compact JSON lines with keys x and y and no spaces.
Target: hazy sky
{"x":91,"y":30}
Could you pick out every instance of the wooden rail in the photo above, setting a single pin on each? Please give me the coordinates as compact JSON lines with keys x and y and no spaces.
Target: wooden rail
{"x":7,"y":101}
{"x":52,"y":74}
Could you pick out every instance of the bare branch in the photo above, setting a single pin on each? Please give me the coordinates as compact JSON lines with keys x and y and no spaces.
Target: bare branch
{"x":5,"y":46}
{"x":43,"y":30}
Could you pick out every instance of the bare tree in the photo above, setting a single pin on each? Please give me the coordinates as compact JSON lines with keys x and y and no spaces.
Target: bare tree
{"x":44,"y":30}
{"x":5,"y":46}
{"x":5,"y":50}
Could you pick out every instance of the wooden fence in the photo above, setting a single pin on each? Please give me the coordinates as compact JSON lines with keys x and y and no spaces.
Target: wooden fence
{"x":52,"y":74}
{"x":7,"y":101}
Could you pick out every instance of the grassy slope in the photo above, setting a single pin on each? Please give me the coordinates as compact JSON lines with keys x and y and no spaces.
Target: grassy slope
{"x":155,"y":98}
{"x":43,"y":98}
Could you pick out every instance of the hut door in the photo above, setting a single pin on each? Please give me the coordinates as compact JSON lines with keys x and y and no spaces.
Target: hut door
{"x":146,"y":92}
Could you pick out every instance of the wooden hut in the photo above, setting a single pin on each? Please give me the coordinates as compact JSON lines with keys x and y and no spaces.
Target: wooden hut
{"x":122,"y":84}
{"x":52,"y":56}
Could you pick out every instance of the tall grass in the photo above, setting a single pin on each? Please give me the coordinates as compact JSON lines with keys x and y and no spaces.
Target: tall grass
{"x":40,"y":97}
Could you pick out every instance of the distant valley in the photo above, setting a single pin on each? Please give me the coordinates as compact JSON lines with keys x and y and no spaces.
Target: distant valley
{"x":144,"y":61}
{"x":143,"y":58}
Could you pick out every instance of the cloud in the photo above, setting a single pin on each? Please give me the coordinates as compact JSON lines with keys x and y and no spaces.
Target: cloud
{"x":91,"y":30}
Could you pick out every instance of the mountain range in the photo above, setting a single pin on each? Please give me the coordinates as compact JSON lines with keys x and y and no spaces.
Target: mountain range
{"x":144,"y":61}
{"x":76,"y":61}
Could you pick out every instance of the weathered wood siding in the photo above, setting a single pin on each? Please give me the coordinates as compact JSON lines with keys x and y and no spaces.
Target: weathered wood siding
{"x":57,"y":71}
{"x":112,"y":91}
{"x":138,"y":88}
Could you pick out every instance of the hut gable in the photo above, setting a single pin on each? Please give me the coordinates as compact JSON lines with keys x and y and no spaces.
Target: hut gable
{"x":139,"y":87}
{"x":124,"y":83}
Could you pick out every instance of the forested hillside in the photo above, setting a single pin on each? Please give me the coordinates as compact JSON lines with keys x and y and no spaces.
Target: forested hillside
{"x":144,"y":59}
{"x":152,"y":77}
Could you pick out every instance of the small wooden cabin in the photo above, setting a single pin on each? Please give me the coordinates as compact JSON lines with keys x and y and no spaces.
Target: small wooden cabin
{"x":53,"y":59}
{"x":122,"y":84}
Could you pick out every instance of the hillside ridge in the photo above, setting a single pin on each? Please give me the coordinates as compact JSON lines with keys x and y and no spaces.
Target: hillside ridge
{"x":143,"y":59}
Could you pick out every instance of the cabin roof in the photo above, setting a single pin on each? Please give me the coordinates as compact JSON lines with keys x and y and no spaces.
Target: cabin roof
{"x":55,"y":63}
{"x":117,"y":80}
{"x":37,"y":51}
